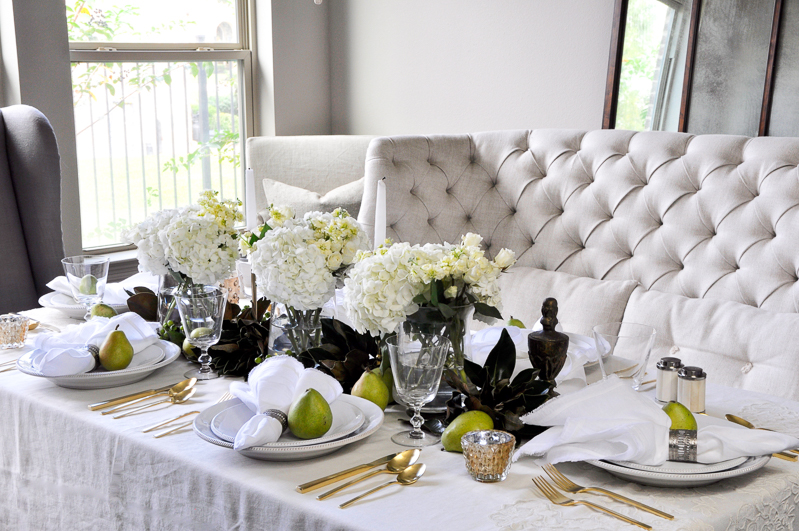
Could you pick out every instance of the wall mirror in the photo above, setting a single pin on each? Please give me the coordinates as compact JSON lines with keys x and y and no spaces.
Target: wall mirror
{"x":704,"y":66}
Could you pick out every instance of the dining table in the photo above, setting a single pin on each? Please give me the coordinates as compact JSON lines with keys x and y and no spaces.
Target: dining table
{"x":64,"y":467}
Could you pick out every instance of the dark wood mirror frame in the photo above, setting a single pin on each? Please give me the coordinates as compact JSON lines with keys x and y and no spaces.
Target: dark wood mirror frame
{"x":615,"y":61}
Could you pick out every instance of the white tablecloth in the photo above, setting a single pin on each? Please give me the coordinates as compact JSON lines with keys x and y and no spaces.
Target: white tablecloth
{"x":63,"y":467}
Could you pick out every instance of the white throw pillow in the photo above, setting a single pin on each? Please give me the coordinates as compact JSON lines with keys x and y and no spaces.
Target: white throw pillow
{"x":301,"y":200}
{"x":582,"y":302}
{"x":736,"y":344}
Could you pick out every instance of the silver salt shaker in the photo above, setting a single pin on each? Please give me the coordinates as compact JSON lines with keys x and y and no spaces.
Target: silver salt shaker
{"x":691,"y":388}
{"x":667,"y":378}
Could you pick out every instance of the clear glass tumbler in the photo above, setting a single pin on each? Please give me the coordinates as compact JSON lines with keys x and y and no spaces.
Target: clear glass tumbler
{"x":202,"y":310}
{"x":417,"y":361}
{"x":630,"y":341}
{"x":87,"y":276}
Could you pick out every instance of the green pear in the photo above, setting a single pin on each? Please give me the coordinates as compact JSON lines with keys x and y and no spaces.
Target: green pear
{"x":681,"y":417}
{"x":88,"y":285}
{"x":201,"y":332}
{"x":388,"y":378}
{"x":515,"y":322}
{"x":116,"y":351}
{"x":310,"y":416}
{"x":188,"y":351}
{"x":102,"y":310}
{"x":371,"y":387}
{"x":463,"y":424}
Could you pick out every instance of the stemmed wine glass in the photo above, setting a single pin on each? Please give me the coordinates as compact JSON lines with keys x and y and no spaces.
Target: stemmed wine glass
{"x":417,"y":361}
{"x":202,"y":309}
{"x":87,"y":276}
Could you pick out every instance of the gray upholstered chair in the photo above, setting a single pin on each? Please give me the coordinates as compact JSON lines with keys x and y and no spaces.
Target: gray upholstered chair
{"x":30,"y":207}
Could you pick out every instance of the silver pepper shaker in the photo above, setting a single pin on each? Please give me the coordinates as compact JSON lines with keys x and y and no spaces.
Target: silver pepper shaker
{"x":667,"y":378}
{"x":691,"y":388}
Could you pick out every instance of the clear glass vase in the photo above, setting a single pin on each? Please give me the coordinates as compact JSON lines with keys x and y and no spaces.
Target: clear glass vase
{"x":167,"y":309}
{"x":456,"y":328}
{"x":294,"y":331}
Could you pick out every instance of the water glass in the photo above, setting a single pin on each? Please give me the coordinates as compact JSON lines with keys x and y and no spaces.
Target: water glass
{"x":202,"y":310}
{"x":87,"y":276}
{"x":13,"y":330}
{"x":417,"y":361}
{"x":628,"y":341}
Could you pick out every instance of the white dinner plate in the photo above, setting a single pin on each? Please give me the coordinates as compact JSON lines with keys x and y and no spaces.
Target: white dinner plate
{"x":660,"y":479}
{"x":68,"y":306}
{"x":681,"y":467}
{"x":372,"y":413}
{"x":164,"y":351}
{"x":346,"y":419}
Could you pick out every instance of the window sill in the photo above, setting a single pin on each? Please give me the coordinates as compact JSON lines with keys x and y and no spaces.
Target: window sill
{"x":123,"y":264}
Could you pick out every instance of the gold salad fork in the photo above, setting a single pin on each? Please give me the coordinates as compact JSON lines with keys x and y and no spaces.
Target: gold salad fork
{"x":559,"y":499}
{"x":226,"y":396}
{"x":568,"y":485}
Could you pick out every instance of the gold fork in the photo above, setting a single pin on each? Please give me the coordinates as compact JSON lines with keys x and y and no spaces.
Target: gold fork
{"x":567,"y":485}
{"x":226,"y":396}
{"x":559,"y":499}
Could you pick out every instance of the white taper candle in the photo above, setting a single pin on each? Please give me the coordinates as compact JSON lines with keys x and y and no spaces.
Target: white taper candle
{"x":250,"y":209}
{"x":380,"y":214}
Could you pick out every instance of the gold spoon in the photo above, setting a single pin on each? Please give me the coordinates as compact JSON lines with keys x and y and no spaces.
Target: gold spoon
{"x":172,"y":391}
{"x":746,"y":424}
{"x":409,"y":476}
{"x":396,"y":465}
{"x":177,"y":399}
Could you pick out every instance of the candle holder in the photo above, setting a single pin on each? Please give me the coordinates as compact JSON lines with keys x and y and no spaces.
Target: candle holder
{"x":488,"y":454}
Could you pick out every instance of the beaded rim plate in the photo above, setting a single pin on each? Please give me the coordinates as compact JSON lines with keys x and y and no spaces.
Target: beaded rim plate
{"x":660,"y":479}
{"x":374,"y":419}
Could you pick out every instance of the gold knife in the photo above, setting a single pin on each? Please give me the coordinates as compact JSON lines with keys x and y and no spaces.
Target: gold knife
{"x":128,"y":398}
{"x":338,"y":476}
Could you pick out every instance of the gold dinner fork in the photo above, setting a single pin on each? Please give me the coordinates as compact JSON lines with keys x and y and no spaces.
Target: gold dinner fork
{"x":559,"y":499}
{"x":568,"y":485}
{"x":226,"y":396}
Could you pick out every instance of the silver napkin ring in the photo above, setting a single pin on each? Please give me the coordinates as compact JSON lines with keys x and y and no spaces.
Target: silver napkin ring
{"x":281,"y":417}
{"x":94,"y":350}
{"x":682,"y":445}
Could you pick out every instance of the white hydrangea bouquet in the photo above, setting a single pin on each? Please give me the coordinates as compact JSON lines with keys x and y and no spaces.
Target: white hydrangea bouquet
{"x":196,"y":244}
{"x":435,"y":287}
{"x":298,"y":261}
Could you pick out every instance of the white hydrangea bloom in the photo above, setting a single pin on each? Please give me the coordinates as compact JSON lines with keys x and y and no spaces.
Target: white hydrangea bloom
{"x":381,"y":286}
{"x":150,"y":251}
{"x":296,"y":262}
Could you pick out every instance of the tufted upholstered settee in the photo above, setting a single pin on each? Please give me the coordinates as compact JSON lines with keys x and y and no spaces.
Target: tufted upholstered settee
{"x":697,"y":236}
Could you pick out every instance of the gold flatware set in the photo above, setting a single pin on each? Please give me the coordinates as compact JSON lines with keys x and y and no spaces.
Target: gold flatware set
{"x":401,"y":463}
{"x":176,"y":393}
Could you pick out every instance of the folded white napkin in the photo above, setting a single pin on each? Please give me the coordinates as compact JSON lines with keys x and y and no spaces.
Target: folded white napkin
{"x":114,"y":291}
{"x":275,"y":384}
{"x":608,"y":420}
{"x":64,"y":354}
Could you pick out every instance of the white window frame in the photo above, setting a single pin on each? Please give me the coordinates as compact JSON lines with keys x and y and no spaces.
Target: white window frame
{"x":123,"y":52}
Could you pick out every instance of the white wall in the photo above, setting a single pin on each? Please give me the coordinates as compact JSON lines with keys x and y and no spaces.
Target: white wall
{"x":454,"y":66}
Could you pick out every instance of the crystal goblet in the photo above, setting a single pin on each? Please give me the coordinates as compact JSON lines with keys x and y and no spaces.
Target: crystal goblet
{"x":630,"y":341}
{"x":417,"y":361}
{"x":202,"y":310}
{"x":87,"y":276}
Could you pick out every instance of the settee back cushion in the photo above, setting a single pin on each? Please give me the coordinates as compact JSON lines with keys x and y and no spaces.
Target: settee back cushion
{"x":710,"y":216}
{"x":315,"y":163}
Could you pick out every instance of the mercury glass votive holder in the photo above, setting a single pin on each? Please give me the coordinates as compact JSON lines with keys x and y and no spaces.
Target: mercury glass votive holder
{"x":13,"y":330}
{"x":488,"y":454}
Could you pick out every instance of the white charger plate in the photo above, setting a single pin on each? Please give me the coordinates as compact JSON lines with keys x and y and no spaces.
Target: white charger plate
{"x":660,"y":479}
{"x":681,"y":467}
{"x":374,"y":419}
{"x":68,"y":306}
{"x":346,"y":419}
{"x":101,"y":379}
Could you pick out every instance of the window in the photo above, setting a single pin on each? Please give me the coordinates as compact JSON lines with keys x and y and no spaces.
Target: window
{"x":651,"y":74}
{"x":160,"y":92}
